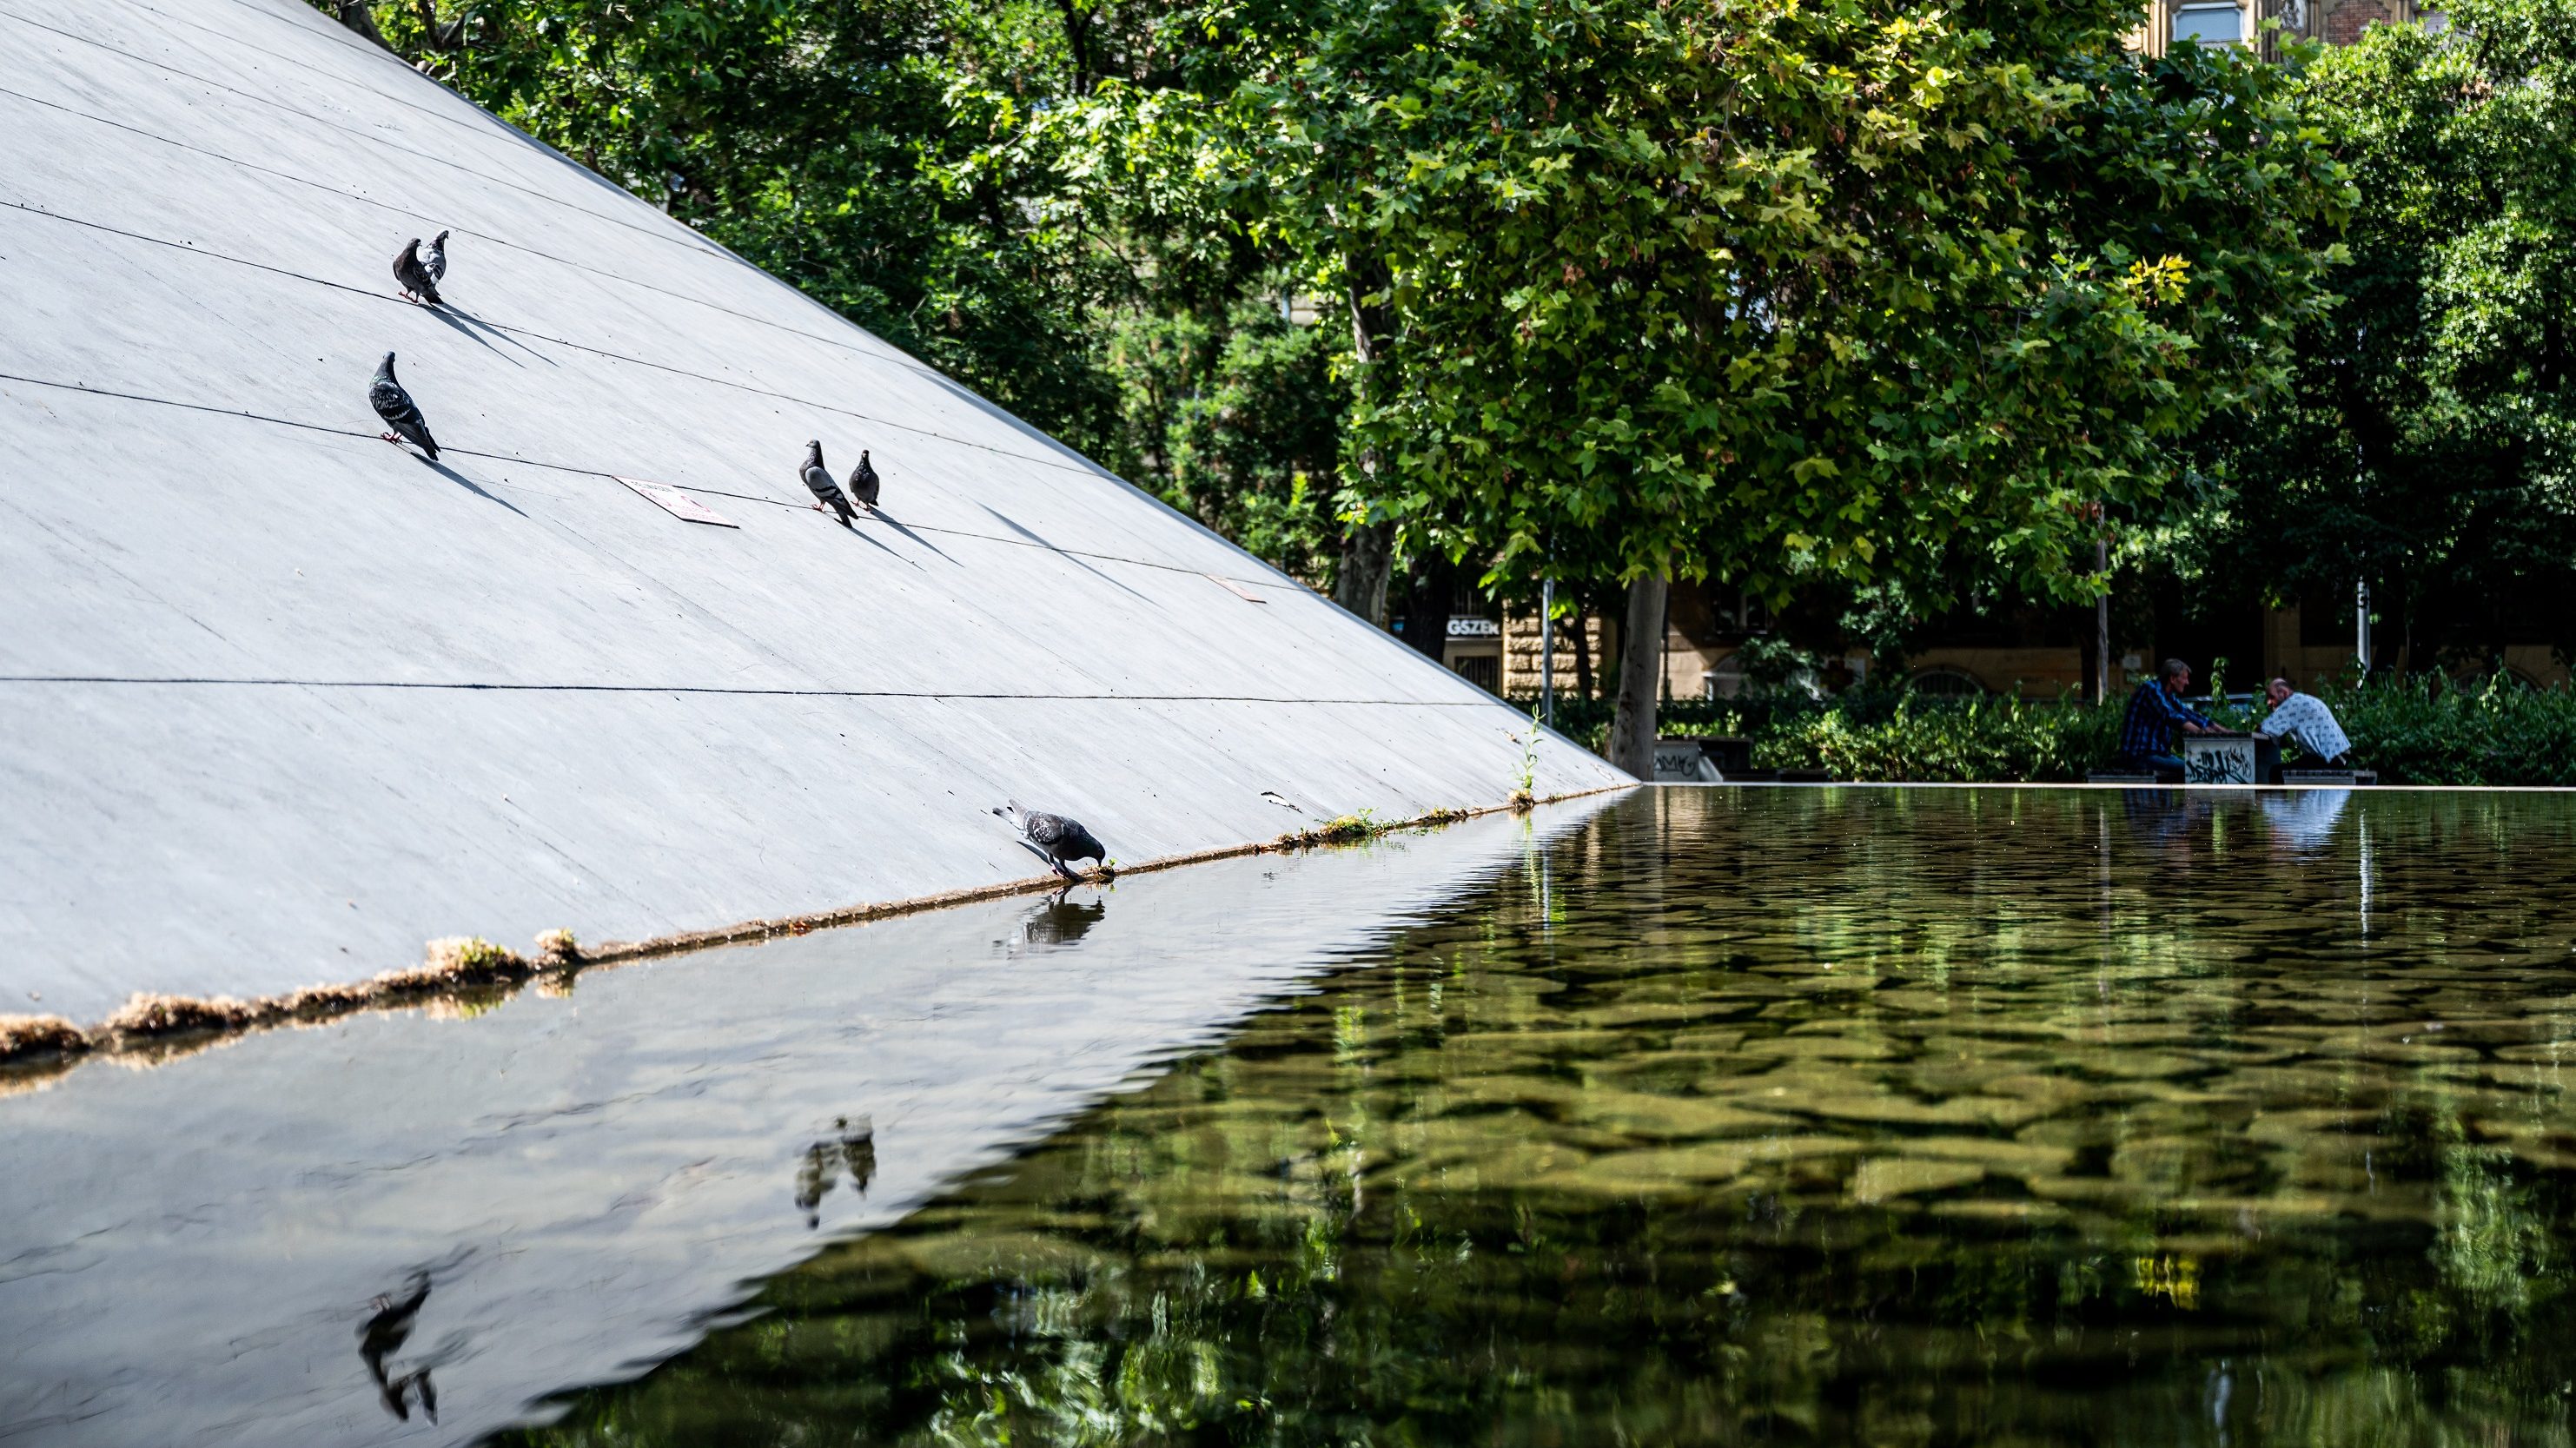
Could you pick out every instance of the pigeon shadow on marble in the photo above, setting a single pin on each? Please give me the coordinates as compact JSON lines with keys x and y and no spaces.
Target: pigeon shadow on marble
{"x":468,"y":484}
{"x":455,"y":319}
{"x":881,"y":545}
{"x":896,"y":524}
{"x":475,"y":326}
{"x":1074,"y":558}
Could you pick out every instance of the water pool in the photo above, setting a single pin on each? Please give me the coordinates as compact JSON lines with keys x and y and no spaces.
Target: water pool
{"x":1845,"y":1115}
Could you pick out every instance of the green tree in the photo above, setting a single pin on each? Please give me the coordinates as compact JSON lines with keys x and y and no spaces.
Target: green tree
{"x":1786,"y":292}
{"x":2428,"y":445}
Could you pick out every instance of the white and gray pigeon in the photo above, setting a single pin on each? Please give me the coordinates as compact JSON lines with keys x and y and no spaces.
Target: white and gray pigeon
{"x":412,"y":276}
{"x":434,"y":260}
{"x":863,"y":483}
{"x":827,"y":494}
{"x":398,"y":410}
{"x":1063,"y":839}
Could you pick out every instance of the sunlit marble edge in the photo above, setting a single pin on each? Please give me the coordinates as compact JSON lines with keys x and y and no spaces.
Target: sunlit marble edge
{"x":30,"y":1058}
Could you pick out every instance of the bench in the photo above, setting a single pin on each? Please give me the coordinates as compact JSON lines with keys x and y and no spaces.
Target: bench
{"x":1703,"y":758}
{"x":2330,"y":776}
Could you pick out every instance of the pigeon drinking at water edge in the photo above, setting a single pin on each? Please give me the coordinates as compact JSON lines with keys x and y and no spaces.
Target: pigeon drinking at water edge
{"x":413,"y":277}
{"x":398,"y":410}
{"x":826,"y":492}
{"x":435,"y":259}
{"x":1063,"y":839}
{"x":863,"y":483}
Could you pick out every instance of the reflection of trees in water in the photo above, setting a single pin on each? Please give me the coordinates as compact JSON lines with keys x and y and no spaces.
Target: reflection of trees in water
{"x":2196,"y":1171}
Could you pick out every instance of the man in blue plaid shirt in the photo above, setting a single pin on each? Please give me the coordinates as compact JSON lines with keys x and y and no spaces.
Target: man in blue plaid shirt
{"x":2157,"y":717}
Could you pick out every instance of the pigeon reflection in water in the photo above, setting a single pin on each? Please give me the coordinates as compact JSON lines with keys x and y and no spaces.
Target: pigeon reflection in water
{"x":853,"y":1152}
{"x":381,"y":1335}
{"x":1060,"y":921}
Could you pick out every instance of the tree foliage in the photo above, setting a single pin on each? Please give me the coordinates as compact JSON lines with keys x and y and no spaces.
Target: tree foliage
{"x":1777,"y":292}
{"x":2428,"y":444}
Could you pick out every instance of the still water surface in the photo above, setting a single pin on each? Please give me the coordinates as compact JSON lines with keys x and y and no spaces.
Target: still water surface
{"x":1847,"y":1115}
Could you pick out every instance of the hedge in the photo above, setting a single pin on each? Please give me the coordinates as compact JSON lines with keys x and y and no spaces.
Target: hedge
{"x":2412,"y":732}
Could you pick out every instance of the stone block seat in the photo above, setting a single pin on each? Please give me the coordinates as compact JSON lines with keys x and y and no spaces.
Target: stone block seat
{"x":2330,"y":776}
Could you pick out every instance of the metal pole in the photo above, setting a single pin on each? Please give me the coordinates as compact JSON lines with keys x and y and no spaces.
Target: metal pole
{"x":2102,"y":624}
{"x":1547,"y":648}
{"x":2361,"y":623}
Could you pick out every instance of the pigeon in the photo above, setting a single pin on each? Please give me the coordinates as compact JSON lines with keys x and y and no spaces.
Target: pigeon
{"x":826,"y":492}
{"x":435,"y":259}
{"x":863,"y":483}
{"x":398,"y":410}
{"x":1062,"y":839}
{"x":415,"y":279}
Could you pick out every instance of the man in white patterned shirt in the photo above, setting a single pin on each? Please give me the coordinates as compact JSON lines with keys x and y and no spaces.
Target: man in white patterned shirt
{"x":2305,"y":721}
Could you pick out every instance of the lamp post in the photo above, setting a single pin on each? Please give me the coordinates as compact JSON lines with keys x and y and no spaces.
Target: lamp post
{"x":2102,"y":607}
{"x":1547,"y":649}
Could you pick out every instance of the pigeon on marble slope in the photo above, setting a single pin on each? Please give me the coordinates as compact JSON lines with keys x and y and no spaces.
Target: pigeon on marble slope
{"x":435,"y":259}
{"x":1063,"y":839}
{"x":826,"y":492}
{"x":863,"y":483}
{"x":413,"y":277}
{"x":398,"y":410}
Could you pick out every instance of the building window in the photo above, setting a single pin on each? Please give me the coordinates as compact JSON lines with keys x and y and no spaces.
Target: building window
{"x":1946,"y":683}
{"x":2209,"y":24}
{"x":1485,"y":671}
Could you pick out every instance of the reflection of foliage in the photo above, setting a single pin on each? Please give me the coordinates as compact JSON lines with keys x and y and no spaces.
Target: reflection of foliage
{"x":2494,"y":1250}
{"x":1406,"y":1209}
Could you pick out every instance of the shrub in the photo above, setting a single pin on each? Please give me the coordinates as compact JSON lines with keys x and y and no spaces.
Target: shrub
{"x":2422,"y":731}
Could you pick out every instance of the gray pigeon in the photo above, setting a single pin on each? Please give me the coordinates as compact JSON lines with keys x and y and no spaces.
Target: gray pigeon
{"x":1061,"y":838}
{"x":826,"y":492}
{"x":863,"y":483}
{"x":435,"y":259}
{"x":414,"y":278}
{"x":398,"y":410}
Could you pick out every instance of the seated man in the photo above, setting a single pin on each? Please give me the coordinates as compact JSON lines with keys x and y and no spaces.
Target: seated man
{"x":2305,"y":721}
{"x":2156,"y":715}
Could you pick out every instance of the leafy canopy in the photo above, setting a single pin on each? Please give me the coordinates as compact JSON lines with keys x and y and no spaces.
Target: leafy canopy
{"x":2429,"y":442}
{"x":1777,"y":291}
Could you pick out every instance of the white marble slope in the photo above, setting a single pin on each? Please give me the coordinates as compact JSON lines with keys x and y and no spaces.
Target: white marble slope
{"x":279,"y":702}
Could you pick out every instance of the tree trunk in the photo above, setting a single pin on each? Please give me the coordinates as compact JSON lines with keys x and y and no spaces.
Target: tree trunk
{"x":1368,"y":550}
{"x":1427,"y":598}
{"x":360,"y":17}
{"x":1632,"y":727}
